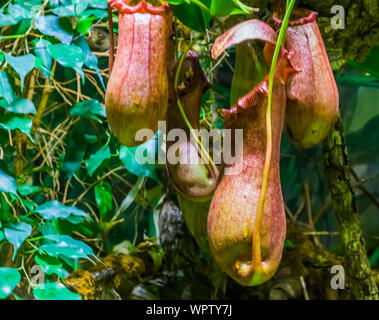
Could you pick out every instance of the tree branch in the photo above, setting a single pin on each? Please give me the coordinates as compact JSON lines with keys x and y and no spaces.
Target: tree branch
{"x":345,"y":207}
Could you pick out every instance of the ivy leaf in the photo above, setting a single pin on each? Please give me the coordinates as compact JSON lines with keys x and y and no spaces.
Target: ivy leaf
{"x":69,"y":56}
{"x":21,"y":64}
{"x":71,"y":8}
{"x":91,"y":138}
{"x":19,"y":12}
{"x":75,"y":150}
{"x":7,"y":20}
{"x":6,"y":90}
{"x":99,"y":14}
{"x":7,"y":183}
{"x":16,"y":234}
{"x":32,"y":5}
{"x":96,"y":159}
{"x":27,"y":189}
{"x":90,"y":60}
{"x":12,"y":121}
{"x":67,"y":247}
{"x":41,"y":66}
{"x":52,"y":210}
{"x":5,"y":214}
{"x":84,"y":25}
{"x":103,"y":197}
{"x":73,"y":159}
{"x":51,"y":265}
{"x":9,"y":279}
{"x":140,"y":160}
{"x":19,"y":105}
{"x":88,"y":109}
{"x":54,"y":291}
{"x":98,"y":4}
{"x":49,"y":25}
{"x":15,"y":14}
{"x":42,"y":53}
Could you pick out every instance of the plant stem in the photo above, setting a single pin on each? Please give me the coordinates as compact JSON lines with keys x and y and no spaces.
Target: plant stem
{"x":15,"y":36}
{"x":111,"y":39}
{"x":256,"y":247}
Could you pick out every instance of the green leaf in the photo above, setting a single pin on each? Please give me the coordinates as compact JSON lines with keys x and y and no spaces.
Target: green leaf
{"x":19,"y":12}
{"x":27,"y":189}
{"x":31,"y":5}
{"x":103,"y":197}
{"x":7,"y":20}
{"x":69,"y":56}
{"x":229,"y":7}
{"x":6,"y":90}
{"x":192,"y":16}
{"x":68,"y":247}
{"x":75,"y":152}
{"x":9,"y":279}
{"x":140,"y":160}
{"x":21,"y":64}
{"x":76,"y":145}
{"x":175,"y":2}
{"x":84,"y":25}
{"x":96,"y":159}
{"x":54,"y":291}
{"x":71,"y":8}
{"x":15,"y":14}
{"x":7,"y":183}
{"x":16,"y":234}
{"x":52,"y":210}
{"x":288,"y":244}
{"x":357,"y":79}
{"x":49,"y":25}
{"x":90,"y":60}
{"x":363,"y":144}
{"x":11,"y":121}
{"x":19,"y":105}
{"x":99,"y":14}
{"x":42,"y":53}
{"x":99,"y":4}
{"x":41,"y":66}
{"x":51,"y":265}
{"x":370,"y":65}
{"x":131,"y":195}
{"x":88,"y":109}
{"x":5,"y":214}
{"x":91,"y":138}
{"x":49,"y":227}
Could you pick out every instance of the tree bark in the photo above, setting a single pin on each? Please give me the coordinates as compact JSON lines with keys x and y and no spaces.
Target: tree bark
{"x":358,"y":269}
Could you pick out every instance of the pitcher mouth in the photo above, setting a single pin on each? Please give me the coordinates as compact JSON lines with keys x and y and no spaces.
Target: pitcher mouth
{"x":124,"y":7}
{"x":299,"y":17}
